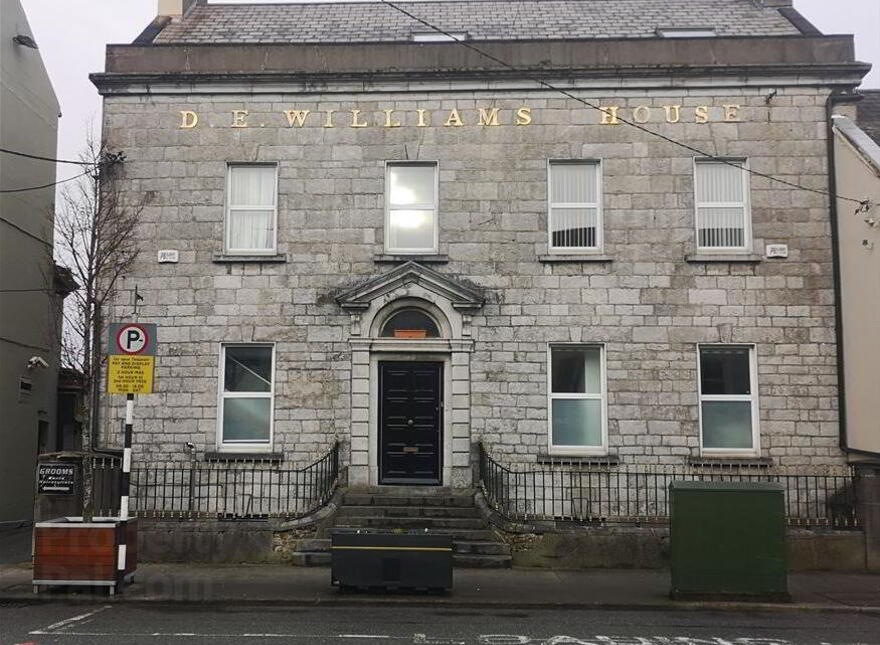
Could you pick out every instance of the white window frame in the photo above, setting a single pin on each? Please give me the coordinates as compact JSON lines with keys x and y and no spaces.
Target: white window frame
{"x":602,"y":396}
{"x":227,"y":248}
{"x":222,"y":394}
{"x":435,"y":207}
{"x":600,"y":222}
{"x":755,"y":450}
{"x":746,"y":205}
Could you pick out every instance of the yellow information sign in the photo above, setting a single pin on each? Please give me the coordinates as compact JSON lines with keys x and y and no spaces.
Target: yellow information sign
{"x":130,"y":374}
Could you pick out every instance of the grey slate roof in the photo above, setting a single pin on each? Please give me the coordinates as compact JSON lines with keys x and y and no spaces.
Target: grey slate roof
{"x":869,"y":113}
{"x":480,"y":19}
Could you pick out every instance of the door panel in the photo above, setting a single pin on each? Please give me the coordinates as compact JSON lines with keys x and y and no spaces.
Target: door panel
{"x":410,"y":420}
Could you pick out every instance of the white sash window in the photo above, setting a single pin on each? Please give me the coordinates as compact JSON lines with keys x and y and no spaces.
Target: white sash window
{"x":577,"y":400}
{"x":251,"y":209}
{"x":247,"y":393}
{"x":723,"y":215}
{"x":728,"y":399}
{"x":411,"y":207}
{"x":575,"y":213}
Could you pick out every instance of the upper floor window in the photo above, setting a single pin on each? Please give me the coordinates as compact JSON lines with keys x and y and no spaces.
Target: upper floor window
{"x":246,"y":395}
{"x":438,"y":37}
{"x":251,"y":209}
{"x":723,"y":217}
{"x":411,"y":207}
{"x":686,"y":32}
{"x":575,"y":213}
{"x":577,"y":400}
{"x":728,"y":400}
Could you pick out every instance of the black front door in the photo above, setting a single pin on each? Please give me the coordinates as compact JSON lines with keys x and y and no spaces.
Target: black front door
{"x":410,"y":418}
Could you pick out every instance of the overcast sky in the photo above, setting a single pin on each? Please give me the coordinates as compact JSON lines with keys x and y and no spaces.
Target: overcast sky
{"x":72,"y":34}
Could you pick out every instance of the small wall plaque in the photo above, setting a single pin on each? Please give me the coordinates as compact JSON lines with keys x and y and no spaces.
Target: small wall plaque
{"x":168,"y":255}
{"x":777,"y":251}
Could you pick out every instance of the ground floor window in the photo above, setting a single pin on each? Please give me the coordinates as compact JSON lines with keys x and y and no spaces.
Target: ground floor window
{"x":577,"y":399}
{"x":728,"y":398}
{"x":246,"y":395}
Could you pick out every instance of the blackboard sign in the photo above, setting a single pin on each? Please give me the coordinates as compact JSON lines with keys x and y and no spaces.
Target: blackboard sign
{"x":56,"y":479}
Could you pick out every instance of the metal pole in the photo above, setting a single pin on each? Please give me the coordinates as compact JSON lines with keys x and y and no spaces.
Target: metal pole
{"x":125,"y":486}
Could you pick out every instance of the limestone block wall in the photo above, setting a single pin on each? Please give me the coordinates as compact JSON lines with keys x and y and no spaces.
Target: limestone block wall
{"x":647,"y":305}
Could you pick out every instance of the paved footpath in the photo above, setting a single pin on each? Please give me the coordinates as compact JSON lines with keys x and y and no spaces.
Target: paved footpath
{"x":595,"y":588}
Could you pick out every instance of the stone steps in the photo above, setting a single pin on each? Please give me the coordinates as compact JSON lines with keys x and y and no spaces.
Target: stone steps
{"x":392,"y":512}
{"x":463,"y":547}
{"x":368,"y":499}
{"x":412,"y":508}
{"x":409,"y":523}
{"x":464,"y":560}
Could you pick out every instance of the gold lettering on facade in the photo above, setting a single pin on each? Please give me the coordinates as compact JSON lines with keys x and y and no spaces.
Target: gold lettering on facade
{"x":609,"y":114}
{"x":296,"y":116}
{"x":389,"y":122}
{"x":354,"y":120}
{"x":474,"y":116}
{"x":188,"y":119}
{"x":673,"y":113}
{"x":642,"y":114}
{"x":454,"y":119}
{"x":489,"y":117}
{"x":701,"y":114}
{"x":239,"y":118}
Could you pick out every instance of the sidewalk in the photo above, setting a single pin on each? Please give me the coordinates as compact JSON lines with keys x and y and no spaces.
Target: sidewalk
{"x":525,"y":588}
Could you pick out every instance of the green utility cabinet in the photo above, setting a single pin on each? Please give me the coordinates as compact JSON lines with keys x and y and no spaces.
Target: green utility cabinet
{"x":728,"y":540}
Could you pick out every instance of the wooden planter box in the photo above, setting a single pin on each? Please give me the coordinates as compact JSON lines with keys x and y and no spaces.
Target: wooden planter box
{"x":68,"y":551}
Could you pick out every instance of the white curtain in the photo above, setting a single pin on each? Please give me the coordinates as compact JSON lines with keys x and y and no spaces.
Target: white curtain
{"x":251,"y":222}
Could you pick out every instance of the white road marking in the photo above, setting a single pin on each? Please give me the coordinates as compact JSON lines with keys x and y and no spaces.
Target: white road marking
{"x":61,"y":624}
{"x":60,"y":629}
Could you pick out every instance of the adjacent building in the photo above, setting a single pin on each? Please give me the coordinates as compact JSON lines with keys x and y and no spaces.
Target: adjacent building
{"x":857,"y":175}
{"x":31,"y":286}
{"x":596,"y":232}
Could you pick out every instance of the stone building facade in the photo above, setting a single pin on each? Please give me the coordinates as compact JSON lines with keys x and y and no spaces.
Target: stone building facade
{"x":313,"y":192}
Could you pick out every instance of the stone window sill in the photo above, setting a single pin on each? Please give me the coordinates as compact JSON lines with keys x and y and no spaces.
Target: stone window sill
{"x":225,"y":258}
{"x":545,"y":459}
{"x":244,"y":456}
{"x":387,"y":258}
{"x":730,"y":462}
{"x":574,"y":257}
{"x":731,"y":258}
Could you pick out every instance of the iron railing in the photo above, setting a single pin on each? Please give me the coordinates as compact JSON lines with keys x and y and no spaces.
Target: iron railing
{"x":639,"y":494}
{"x":224,"y":490}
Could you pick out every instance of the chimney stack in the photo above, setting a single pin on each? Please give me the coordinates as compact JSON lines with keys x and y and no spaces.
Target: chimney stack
{"x":177,"y":9}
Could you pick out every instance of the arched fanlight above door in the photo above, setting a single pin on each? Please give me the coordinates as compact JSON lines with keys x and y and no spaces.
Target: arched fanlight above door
{"x":410,"y":323}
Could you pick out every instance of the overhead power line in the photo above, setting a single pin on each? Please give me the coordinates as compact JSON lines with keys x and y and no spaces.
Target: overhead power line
{"x":54,"y":183}
{"x":27,"y":290}
{"x":40,"y":158}
{"x":861,"y":202}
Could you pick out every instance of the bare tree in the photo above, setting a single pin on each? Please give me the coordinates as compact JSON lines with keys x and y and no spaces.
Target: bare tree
{"x":95,"y":237}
